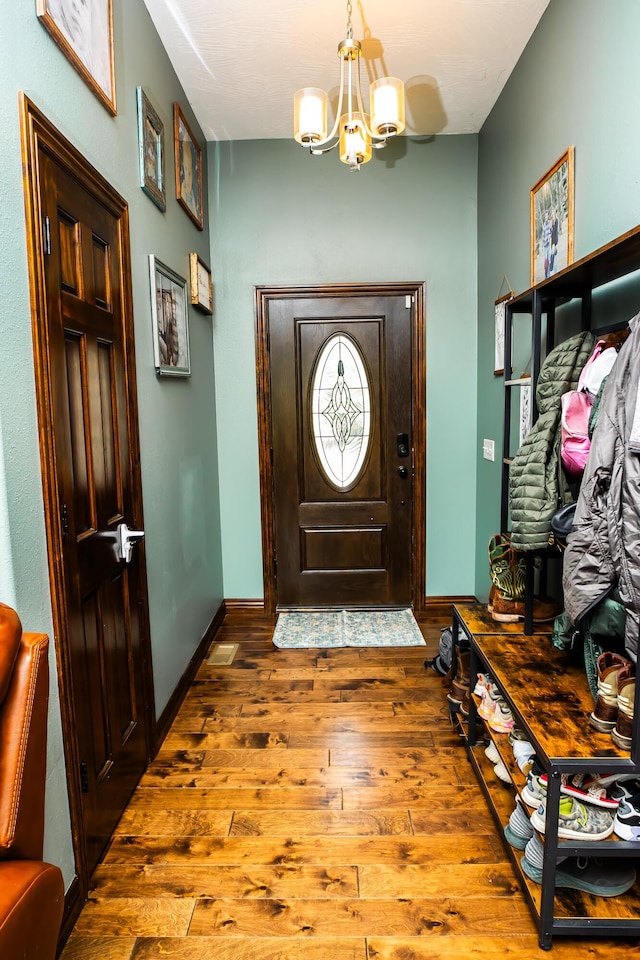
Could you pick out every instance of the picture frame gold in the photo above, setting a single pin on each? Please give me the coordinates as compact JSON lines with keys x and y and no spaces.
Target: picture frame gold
{"x":552,"y":218}
{"x":188,"y":168}
{"x":201,"y":284}
{"x":151,"y":150}
{"x":84,"y":33}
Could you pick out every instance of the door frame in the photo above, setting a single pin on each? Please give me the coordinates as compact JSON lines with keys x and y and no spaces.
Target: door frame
{"x":263,"y":296}
{"x":38,"y":133}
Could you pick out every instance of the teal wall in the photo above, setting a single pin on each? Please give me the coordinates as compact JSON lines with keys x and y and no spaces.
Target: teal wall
{"x":279,"y":216}
{"x":177,"y":418}
{"x":577,"y":84}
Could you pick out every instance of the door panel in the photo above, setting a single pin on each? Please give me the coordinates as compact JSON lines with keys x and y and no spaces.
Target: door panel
{"x":341,"y":542}
{"x":91,"y":419}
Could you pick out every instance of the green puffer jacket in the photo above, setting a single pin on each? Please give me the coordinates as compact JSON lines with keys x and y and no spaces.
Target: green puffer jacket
{"x":535,"y":475}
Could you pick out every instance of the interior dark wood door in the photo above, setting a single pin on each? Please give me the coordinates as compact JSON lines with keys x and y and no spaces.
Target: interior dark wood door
{"x":341,"y":392}
{"x":104,"y":599}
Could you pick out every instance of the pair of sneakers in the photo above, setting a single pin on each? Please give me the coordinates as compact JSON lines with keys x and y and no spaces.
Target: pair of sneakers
{"x":493,"y":708}
{"x":576,"y":820}
{"x":585,"y":788}
{"x":602,"y":878}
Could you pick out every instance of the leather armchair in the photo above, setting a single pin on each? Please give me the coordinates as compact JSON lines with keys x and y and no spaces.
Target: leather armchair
{"x":31,"y":892}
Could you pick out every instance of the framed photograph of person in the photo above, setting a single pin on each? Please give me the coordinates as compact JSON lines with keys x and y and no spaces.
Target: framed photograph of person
{"x":170,"y":321}
{"x":83,"y":29}
{"x":151,"y":150}
{"x":201,"y":284}
{"x":552,"y":219}
{"x":188,"y":168}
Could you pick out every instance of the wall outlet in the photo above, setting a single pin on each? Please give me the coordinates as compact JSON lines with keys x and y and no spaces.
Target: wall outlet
{"x":489,"y":449}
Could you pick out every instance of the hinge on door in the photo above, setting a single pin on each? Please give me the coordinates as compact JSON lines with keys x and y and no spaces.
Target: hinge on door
{"x":46,"y":235}
{"x":275,"y":568}
{"x":84,"y":777}
{"x":64,"y":516}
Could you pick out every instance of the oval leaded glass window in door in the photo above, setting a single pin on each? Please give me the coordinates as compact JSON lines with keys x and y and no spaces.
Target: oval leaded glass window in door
{"x":341,"y":411}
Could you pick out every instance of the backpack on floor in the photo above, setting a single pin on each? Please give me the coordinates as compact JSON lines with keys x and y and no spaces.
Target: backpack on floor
{"x":441,"y":663}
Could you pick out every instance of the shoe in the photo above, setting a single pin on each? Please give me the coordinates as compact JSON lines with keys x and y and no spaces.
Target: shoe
{"x":605,"y":712}
{"x":624,"y":789}
{"x":525,"y":755}
{"x":501,"y":719}
{"x":518,"y":830}
{"x":603,"y":878}
{"x":507,"y":568}
{"x":577,"y":821}
{"x":511,"y":611}
{"x":491,"y":753}
{"x":626,"y":824}
{"x":502,"y":773}
{"x":622,"y":733}
{"x":533,"y":793}
{"x":583,"y":788}
{"x":461,"y":682}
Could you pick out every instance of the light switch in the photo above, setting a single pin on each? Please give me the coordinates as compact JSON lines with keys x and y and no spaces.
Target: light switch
{"x":489,"y":449}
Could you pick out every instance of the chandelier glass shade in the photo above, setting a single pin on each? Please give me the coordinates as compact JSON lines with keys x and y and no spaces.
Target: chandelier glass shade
{"x":354,"y":131}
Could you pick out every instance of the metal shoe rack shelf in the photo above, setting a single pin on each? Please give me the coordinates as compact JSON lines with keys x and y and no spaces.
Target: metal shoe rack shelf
{"x":550,"y":702}
{"x":576,"y":282}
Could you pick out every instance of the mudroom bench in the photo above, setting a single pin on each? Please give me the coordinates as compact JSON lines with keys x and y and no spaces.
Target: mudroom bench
{"x":550,"y":701}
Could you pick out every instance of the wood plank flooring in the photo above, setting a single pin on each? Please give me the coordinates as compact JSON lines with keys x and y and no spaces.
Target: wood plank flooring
{"x":311,"y":805}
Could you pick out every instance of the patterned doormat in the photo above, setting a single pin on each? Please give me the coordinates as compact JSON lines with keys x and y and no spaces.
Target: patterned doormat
{"x":347,"y":628}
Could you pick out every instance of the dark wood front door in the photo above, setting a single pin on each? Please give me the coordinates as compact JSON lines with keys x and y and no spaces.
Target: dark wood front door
{"x":341,"y":388}
{"x":84,"y":346}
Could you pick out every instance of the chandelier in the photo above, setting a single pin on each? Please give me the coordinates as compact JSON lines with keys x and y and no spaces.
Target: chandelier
{"x":354,"y":131}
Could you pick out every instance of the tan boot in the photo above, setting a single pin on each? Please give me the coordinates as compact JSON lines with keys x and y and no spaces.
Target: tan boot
{"x":605,"y":712}
{"x":510,"y":611}
{"x":622,"y":733}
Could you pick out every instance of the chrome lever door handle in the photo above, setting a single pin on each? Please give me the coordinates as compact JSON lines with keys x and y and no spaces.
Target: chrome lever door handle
{"x":126,"y":540}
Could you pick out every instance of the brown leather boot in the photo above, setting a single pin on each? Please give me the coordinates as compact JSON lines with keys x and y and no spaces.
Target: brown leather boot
{"x":622,"y":733}
{"x":605,"y":712}
{"x":510,"y":611}
{"x":462,"y":681}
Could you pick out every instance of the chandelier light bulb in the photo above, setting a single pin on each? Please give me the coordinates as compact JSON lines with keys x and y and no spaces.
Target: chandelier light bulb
{"x":353,"y":132}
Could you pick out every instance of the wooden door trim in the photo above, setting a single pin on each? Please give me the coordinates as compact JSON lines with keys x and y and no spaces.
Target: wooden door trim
{"x":38,"y":133}
{"x":263,"y":296}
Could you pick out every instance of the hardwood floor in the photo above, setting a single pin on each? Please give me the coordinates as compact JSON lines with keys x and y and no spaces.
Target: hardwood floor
{"x":311,"y":805}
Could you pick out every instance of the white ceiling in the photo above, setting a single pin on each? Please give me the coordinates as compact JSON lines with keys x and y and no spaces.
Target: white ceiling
{"x":241,"y":61}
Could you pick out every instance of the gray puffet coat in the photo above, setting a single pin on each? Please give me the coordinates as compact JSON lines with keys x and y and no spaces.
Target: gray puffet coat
{"x":604,"y":548}
{"x":534,"y":475}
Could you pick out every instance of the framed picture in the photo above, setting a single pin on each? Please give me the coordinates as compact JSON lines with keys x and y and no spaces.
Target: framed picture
{"x":525,"y":411}
{"x":151,"y":150}
{"x":170,"y":322}
{"x":552,"y":219}
{"x":201,"y":284}
{"x":500,"y":314}
{"x":83,"y":29}
{"x":188,"y":168}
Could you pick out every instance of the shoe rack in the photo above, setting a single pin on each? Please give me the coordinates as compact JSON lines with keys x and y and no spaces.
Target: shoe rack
{"x":576,"y":282}
{"x":550,"y":702}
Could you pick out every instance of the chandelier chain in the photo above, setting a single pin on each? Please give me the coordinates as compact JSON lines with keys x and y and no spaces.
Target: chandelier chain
{"x":349,"y":27}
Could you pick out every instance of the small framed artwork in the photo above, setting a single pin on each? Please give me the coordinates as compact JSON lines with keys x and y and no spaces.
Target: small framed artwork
{"x":525,"y":411}
{"x":188,"y":168}
{"x":552,"y":219}
{"x":201,"y":284}
{"x":151,"y":150}
{"x":83,"y":29}
{"x":170,"y":321}
{"x":500,"y":319}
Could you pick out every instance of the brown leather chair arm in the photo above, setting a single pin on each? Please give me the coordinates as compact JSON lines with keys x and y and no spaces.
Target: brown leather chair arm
{"x":23,"y":740}
{"x":31,"y":907}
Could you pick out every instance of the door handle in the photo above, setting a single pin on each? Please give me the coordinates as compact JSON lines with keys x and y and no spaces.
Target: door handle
{"x":402,"y":471}
{"x":126,"y":540}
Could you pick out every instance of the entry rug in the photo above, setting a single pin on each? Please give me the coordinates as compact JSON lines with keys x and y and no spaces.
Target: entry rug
{"x":347,"y":628}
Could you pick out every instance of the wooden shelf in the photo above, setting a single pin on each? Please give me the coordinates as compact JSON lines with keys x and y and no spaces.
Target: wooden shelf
{"x":551,"y":702}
